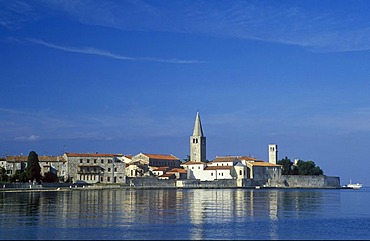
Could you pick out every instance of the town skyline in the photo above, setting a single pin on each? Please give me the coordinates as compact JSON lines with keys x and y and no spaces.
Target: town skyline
{"x":129,"y":77}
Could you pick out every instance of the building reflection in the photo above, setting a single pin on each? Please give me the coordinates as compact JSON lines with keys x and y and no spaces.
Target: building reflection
{"x":201,"y":211}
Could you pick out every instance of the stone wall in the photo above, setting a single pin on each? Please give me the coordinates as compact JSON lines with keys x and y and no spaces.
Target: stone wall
{"x":219,"y":183}
{"x":300,"y":181}
{"x":150,"y":182}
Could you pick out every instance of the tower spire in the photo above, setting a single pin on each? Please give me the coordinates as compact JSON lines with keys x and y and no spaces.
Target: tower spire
{"x":198,"y":131}
{"x":198,"y":142}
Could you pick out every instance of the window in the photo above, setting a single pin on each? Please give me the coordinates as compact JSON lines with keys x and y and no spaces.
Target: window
{"x":94,"y":160}
{"x":80,"y":160}
{"x":108,"y":169}
{"x":211,"y":173}
{"x":198,"y":167}
{"x":101,"y":179}
{"x":115,"y":169}
{"x":240,"y":172}
{"x":108,"y":179}
{"x":102,"y":160}
{"x":88,"y":161}
{"x":192,"y":168}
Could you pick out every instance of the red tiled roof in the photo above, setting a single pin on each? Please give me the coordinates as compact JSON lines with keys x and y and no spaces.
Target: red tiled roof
{"x":179,"y":170}
{"x":167,"y":175}
{"x":225,"y":159}
{"x":232,"y":158}
{"x":161,"y":156}
{"x":192,"y":163}
{"x":263,"y":164}
{"x":41,"y":158}
{"x":91,"y":155}
{"x":247,"y":158}
{"x":161,"y":168}
{"x":218,"y":168}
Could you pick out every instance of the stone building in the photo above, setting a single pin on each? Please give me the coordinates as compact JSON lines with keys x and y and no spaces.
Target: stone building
{"x":144,"y":164}
{"x":54,"y":164}
{"x":198,"y":142}
{"x":95,"y":168}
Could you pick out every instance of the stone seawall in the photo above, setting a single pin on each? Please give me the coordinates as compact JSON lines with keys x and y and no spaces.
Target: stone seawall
{"x":223,"y":183}
{"x":150,"y":182}
{"x":295,"y":181}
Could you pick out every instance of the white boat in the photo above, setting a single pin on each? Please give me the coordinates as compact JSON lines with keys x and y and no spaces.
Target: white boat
{"x":354,"y":185}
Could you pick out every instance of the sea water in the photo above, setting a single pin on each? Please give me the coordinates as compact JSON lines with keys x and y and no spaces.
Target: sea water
{"x":186,"y":214}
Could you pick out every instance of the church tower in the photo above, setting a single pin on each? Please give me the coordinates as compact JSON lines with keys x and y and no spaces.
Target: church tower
{"x":198,"y":142}
{"x":273,"y":153}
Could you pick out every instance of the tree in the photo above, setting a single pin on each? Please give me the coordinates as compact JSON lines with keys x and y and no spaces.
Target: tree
{"x":286,"y":166}
{"x":19,"y":176}
{"x":50,"y":177}
{"x":308,"y":168}
{"x":33,"y":170}
{"x":300,"y":168}
{"x":3,"y":176}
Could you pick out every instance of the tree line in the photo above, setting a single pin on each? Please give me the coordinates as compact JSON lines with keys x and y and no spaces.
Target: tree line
{"x":31,"y":173}
{"x":299,"y":168}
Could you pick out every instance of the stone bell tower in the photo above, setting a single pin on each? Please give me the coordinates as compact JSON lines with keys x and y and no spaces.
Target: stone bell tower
{"x":273,"y":153}
{"x":198,"y":142}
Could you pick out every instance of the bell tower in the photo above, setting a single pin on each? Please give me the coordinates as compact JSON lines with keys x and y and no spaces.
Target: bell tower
{"x":198,"y":142}
{"x":273,"y":153}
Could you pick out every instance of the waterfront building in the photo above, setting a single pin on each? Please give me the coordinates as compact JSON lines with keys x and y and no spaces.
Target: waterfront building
{"x":227,"y":167}
{"x":263,"y":171}
{"x":144,"y":164}
{"x":95,"y":168}
{"x":179,"y":172}
{"x":53,"y":164}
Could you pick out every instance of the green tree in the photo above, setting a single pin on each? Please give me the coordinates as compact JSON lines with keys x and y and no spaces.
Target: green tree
{"x":308,"y":168}
{"x":301,"y":167}
{"x":33,"y":169}
{"x":50,"y":177}
{"x":3,"y":176}
{"x":19,"y":176}
{"x":286,"y":166}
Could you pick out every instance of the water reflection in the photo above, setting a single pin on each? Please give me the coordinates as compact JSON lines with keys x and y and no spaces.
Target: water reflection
{"x":136,"y":214}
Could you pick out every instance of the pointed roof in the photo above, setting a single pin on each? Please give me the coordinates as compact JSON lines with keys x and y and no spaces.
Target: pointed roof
{"x":198,"y":131}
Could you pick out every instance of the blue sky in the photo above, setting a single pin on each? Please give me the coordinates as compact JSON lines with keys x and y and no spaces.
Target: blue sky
{"x":129,"y":76}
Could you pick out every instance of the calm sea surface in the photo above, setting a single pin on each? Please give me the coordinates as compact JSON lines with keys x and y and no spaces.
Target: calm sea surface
{"x":186,"y":214}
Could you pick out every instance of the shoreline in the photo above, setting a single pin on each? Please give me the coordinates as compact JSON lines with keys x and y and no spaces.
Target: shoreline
{"x":86,"y":188}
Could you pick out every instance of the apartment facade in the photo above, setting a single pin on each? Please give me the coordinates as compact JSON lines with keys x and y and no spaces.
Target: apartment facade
{"x":95,"y":168}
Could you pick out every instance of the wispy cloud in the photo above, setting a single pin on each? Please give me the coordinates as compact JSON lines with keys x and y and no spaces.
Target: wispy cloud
{"x":28,"y":138}
{"x":320,"y":29}
{"x":104,"y":53}
{"x":298,"y":23}
{"x":14,"y":14}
